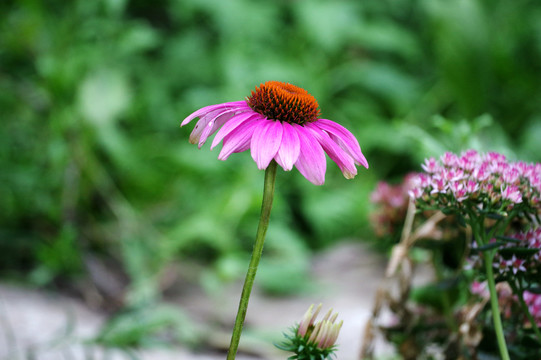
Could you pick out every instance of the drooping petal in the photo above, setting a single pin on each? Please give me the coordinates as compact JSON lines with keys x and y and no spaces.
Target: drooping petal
{"x":201,"y":125}
{"x":237,"y":139}
{"x":289,"y":150}
{"x":311,"y":162}
{"x":239,"y":105}
{"x":214,"y":125}
{"x":206,"y":125}
{"x":231,"y":125}
{"x":344,"y":161}
{"x":344,"y":139}
{"x":201,"y":113}
{"x":213,"y":122}
{"x":266,"y":142}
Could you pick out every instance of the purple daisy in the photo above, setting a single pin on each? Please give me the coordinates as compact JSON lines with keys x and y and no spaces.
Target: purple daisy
{"x":279,"y":121}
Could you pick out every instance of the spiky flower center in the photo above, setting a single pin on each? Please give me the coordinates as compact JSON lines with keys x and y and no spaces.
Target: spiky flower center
{"x":284,"y":102}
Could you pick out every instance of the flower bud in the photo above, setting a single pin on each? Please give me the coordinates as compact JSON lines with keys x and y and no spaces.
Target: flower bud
{"x":311,"y":339}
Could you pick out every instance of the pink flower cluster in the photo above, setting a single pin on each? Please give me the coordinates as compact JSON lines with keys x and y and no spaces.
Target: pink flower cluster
{"x":532,"y":240}
{"x":508,"y":301}
{"x":533,"y":301}
{"x":480,"y":289}
{"x":507,"y":262}
{"x":487,"y":179}
{"x":391,"y":203}
{"x":529,"y":262}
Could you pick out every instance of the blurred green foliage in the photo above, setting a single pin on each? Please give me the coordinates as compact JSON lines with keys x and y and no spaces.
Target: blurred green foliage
{"x":92,"y":94}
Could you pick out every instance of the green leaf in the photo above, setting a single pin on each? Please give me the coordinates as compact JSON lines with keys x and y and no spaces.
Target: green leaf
{"x":534,"y":289}
{"x":495,"y":216}
{"x":520,"y":252}
{"x":490,"y":246}
{"x":507,"y":238}
{"x":448,"y":210}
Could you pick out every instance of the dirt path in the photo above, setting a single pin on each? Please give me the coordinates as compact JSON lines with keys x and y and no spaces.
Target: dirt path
{"x":42,"y":326}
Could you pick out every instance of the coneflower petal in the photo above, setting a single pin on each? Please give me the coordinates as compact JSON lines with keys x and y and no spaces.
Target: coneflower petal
{"x":237,"y":139}
{"x":231,"y":125}
{"x":214,"y":125}
{"x":207,"y":125}
{"x":239,"y":105}
{"x":336,"y":153}
{"x":344,"y":139}
{"x":201,"y":125}
{"x":311,"y":162}
{"x":289,"y":150}
{"x":266,"y":142}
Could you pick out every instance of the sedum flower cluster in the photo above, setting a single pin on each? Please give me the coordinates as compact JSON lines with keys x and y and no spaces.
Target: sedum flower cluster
{"x":487,"y":231}
{"x":520,"y":253}
{"x":533,"y":301}
{"x":313,"y":340}
{"x":509,"y":302}
{"x":489,"y":182}
{"x":391,"y":204}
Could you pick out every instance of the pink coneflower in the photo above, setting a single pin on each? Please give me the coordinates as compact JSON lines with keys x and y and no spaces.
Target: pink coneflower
{"x":279,"y":121}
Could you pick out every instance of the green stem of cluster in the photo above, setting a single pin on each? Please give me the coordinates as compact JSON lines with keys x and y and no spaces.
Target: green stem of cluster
{"x":497,"y":321}
{"x":266,"y":206}
{"x":479,"y":232}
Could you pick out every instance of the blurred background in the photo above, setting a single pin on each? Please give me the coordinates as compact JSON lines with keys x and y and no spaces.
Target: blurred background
{"x":102,"y":197}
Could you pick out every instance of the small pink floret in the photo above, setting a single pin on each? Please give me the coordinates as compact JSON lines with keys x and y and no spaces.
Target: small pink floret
{"x":512,"y":193}
{"x":431,"y":166}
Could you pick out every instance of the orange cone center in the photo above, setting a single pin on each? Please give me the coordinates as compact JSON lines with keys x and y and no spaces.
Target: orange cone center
{"x":284,"y":102}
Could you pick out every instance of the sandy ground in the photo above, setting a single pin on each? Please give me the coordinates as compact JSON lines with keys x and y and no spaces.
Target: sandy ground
{"x":42,"y":326}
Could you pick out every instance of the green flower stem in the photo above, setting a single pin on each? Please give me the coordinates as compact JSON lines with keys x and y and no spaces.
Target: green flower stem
{"x":478,"y":229}
{"x":498,"y":328}
{"x":266,"y":206}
